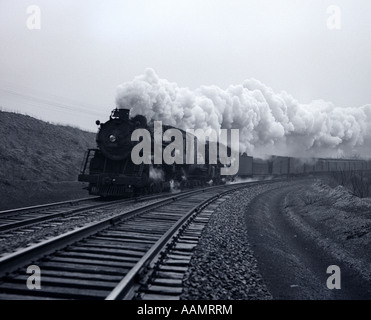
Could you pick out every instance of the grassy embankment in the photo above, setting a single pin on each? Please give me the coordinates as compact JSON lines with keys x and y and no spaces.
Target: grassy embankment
{"x":39,"y":161}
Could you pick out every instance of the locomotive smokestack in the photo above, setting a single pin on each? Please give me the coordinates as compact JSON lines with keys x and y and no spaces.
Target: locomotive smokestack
{"x":122,"y":114}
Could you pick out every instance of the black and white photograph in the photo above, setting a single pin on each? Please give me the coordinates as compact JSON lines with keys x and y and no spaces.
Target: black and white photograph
{"x":185,"y":155}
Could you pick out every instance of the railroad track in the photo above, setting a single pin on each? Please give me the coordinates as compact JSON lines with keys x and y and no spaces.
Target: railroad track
{"x":11,"y":219}
{"x":22,"y":217}
{"x":31,"y":231}
{"x":105,"y":260}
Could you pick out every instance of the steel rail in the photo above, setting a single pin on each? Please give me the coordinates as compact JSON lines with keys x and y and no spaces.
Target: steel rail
{"x":19,"y":258}
{"x":125,"y":288}
{"x":46,"y":205}
{"x":68,"y":211}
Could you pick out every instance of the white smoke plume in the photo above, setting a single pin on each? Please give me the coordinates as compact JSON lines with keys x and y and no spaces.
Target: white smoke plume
{"x":156,"y":174}
{"x":268,"y":122}
{"x":243,"y":180}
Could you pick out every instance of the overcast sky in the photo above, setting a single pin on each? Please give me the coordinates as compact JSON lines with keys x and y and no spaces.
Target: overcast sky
{"x":68,"y":70}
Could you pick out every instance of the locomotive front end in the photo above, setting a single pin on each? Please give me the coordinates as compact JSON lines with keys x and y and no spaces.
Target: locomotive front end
{"x":109,"y":169}
{"x":114,"y":136}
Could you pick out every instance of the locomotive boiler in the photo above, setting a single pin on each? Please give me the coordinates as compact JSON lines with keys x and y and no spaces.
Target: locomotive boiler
{"x":110,"y":171}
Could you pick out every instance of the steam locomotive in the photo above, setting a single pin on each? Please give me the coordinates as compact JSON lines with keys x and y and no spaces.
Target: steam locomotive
{"x":109,"y":169}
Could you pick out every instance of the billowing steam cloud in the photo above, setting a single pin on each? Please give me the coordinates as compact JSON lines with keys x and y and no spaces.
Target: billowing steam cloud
{"x":268,"y":122}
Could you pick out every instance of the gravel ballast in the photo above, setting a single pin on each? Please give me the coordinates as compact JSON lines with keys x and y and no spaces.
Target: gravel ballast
{"x":223,"y":266}
{"x":306,"y":224}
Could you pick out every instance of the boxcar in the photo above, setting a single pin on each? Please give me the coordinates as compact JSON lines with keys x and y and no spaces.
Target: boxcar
{"x":261,"y":167}
{"x":296,"y":166}
{"x":245,"y":166}
{"x":321,"y":165}
{"x":280,"y":165}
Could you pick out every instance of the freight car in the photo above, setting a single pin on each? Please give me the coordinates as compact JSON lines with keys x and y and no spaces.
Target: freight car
{"x":285,"y":166}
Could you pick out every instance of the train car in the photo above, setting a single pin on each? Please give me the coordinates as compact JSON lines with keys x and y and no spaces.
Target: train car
{"x":362,"y":165}
{"x":358,"y":165}
{"x":321,"y":165}
{"x":333,"y":165}
{"x":352,"y":165}
{"x":261,"y":167}
{"x":245,"y":166}
{"x":342,"y":165}
{"x":339,"y":165}
{"x":280,"y":165}
{"x":296,"y":166}
{"x":309,"y":166}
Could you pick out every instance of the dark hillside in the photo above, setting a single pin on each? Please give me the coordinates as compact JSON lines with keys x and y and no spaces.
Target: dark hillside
{"x":39,"y":161}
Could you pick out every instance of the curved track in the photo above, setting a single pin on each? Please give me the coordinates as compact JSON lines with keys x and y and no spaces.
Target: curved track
{"x":103,"y":260}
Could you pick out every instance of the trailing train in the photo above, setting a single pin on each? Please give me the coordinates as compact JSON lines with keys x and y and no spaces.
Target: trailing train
{"x":110,"y":171}
{"x":279,"y":166}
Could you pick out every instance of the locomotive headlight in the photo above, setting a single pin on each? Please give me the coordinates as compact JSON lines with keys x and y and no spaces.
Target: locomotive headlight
{"x":112,"y":138}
